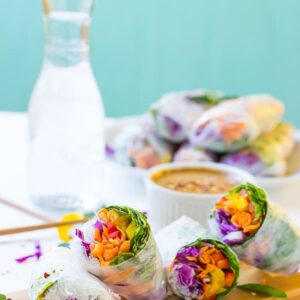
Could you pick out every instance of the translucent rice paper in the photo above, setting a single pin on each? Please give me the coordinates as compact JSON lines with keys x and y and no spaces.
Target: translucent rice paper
{"x":175,"y":113}
{"x":138,"y":278}
{"x":276,"y":245}
{"x":233,"y":124}
{"x":188,"y":153}
{"x":138,"y":145}
{"x":267,"y":155}
{"x":176,"y":235}
{"x":57,"y":276}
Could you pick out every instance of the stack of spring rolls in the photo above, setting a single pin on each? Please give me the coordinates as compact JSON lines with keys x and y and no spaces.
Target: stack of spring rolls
{"x":201,"y":125}
{"x":115,"y":254}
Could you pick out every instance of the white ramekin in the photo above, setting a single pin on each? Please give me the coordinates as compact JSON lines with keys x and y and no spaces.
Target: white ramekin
{"x":166,"y":205}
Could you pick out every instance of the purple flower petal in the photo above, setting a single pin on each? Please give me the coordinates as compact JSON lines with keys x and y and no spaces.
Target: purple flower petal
{"x":109,"y":151}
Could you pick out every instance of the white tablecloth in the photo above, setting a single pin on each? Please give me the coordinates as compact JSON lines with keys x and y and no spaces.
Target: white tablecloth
{"x":13,"y":185}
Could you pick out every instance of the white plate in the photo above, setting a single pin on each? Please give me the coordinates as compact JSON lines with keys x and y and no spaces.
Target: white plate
{"x":127,"y":183}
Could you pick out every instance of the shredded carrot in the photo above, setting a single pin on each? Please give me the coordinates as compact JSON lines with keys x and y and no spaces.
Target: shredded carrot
{"x":223,"y":264}
{"x":229,"y":278}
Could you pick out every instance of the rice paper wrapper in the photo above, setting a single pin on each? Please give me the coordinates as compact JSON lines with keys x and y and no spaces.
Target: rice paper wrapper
{"x":138,"y":278}
{"x":175,"y":112}
{"x":138,"y":145}
{"x":233,"y":124}
{"x":56,"y":276}
{"x":276,"y":245}
{"x":176,"y":235}
{"x":187,"y":153}
{"x":267,"y":155}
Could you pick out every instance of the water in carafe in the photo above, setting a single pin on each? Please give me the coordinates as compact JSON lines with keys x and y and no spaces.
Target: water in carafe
{"x":66,"y":115}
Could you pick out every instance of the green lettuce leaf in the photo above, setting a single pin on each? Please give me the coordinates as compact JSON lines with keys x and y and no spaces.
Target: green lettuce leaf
{"x":141,"y":234}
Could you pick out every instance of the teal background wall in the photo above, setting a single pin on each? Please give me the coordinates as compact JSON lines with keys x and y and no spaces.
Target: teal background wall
{"x":142,"y":48}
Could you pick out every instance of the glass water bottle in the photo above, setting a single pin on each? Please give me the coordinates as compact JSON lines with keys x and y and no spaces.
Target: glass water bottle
{"x":66,"y":114}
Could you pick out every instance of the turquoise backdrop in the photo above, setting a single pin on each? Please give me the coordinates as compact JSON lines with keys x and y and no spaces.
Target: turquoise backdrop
{"x":143,"y":48}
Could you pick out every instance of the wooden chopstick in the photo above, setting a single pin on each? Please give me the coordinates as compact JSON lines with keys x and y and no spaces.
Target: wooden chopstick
{"x":39,"y":227}
{"x":24,"y":209}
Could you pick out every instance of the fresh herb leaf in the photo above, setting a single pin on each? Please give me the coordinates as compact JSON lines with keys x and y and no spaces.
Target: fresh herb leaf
{"x":45,"y":289}
{"x":3,"y":297}
{"x":210,"y":98}
{"x":263,"y":289}
{"x":64,"y":245}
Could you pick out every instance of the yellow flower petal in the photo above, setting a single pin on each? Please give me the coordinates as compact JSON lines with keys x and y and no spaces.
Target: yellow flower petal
{"x":64,"y":231}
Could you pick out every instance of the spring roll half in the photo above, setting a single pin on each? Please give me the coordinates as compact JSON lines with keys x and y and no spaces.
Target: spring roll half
{"x":234,"y":124}
{"x":56,"y":276}
{"x":119,"y":248}
{"x":267,"y":155}
{"x":205,"y":269}
{"x":175,"y":112}
{"x":138,"y":146}
{"x":259,"y":232}
{"x":188,"y":153}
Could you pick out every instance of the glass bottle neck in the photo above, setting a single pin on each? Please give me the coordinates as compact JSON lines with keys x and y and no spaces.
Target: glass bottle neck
{"x":66,"y":38}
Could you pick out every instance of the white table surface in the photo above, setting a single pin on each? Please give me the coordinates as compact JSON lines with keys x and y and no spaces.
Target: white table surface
{"x":13,"y":185}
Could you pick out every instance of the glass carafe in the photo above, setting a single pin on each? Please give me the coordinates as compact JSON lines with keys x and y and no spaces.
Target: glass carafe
{"x":66,"y":114}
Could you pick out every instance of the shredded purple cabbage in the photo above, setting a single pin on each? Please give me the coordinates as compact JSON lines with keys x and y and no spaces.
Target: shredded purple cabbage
{"x":188,"y":251}
{"x":72,"y":298}
{"x":225,"y":225}
{"x":79,"y":233}
{"x":99,"y":225}
{"x":85,"y":245}
{"x":185,"y":275}
{"x":37,"y":254}
{"x":235,"y":241}
{"x":247,"y":161}
{"x":173,"y":126}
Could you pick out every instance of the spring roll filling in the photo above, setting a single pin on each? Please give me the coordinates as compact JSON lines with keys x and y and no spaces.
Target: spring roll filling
{"x":237,"y":216}
{"x":113,"y":234}
{"x":203,"y":270}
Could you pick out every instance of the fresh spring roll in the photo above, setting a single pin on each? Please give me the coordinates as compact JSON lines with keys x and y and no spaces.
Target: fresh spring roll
{"x":119,"y":248}
{"x":175,"y":112}
{"x":204,"y":269}
{"x":267,"y":155}
{"x":259,"y":232}
{"x":234,"y":124}
{"x":188,"y":153}
{"x":56,"y":276}
{"x":197,"y":267}
{"x":138,"y":146}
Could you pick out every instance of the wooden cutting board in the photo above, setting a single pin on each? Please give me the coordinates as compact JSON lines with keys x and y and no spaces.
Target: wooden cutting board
{"x":290,"y":284}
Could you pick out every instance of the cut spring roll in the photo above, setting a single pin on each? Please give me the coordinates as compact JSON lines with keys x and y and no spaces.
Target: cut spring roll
{"x":258,"y":231}
{"x":188,"y":153}
{"x":138,"y":146}
{"x":118,"y":247}
{"x":267,"y":155}
{"x":57,"y":277}
{"x":175,"y":112}
{"x":205,"y":269}
{"x":234,"y":124}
